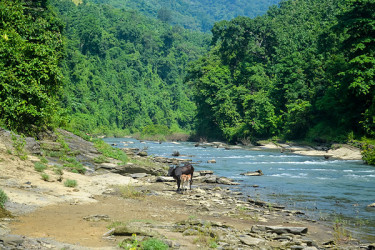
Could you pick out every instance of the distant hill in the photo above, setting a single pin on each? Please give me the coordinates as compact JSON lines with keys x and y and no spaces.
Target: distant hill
{"x":194,"y":14}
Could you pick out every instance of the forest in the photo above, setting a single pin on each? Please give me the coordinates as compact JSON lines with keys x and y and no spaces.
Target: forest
{"x":194,"y":14}
{"x":304,"y":70}
{"x":125,"y":71}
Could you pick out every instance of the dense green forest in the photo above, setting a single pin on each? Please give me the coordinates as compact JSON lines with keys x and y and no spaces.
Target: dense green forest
{"x":31,"y":50}
{"x":304,"y":70}
{"x":125,"y":71}
{"x":194,"y":14}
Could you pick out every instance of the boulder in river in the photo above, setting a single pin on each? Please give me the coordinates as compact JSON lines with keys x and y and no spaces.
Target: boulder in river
{"x":255,"y":173}
{"x":372,"y":205}
{"x":211,"y":161}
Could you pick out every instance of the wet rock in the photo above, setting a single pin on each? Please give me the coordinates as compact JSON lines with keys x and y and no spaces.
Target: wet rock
{"x":372,"y":205}
{"x":265,"y":204}
{"x":204,"y":172}
{"x":255,"y":173}
{"x":211,"y":161}
{"x":142,"y":153}
{"x":226,"y":181}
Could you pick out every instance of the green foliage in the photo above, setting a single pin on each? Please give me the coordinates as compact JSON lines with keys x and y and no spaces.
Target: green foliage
{"x":3,"y":198}
{"x":39,"y":166}
{"x":75,"y":166}
{"x":147,"y":244}
{"x":368,"y":154}
{"x":129,"y":192}
{"x":156,"y":130}
{"x":132,"y":243}
{"x":124,"y":71}
{"x":19,"y":143}
{"x":109,"y":151}
{"x":45,"y":177}
{"x":153,"y":244}
{"x":306,"y":68}
{"x":194,"y":14}
{"x":30,"y":53}
{"x":70,"y":183}
{"x":101,"y":159}
{"x":43,"y":160}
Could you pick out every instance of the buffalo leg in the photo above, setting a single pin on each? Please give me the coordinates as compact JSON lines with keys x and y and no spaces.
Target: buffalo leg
{"x":178,"y":184}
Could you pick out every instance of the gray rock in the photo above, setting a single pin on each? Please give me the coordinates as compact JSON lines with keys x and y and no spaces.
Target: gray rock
{"x":11,"y":240}
{"x":138,"y":175}
{"x":250,"y":241}
{"x":131,"y":168}
{"x":258,"y":229}
{"x":142,"y":153}
{"x":284,"y":230}
{"x":226,"y":181}
{"x":210,"y":179}
{"x":97,"y":217}
{"x":205,"y":172}
{"x":50,"y":145}
{"x":165,"y":179}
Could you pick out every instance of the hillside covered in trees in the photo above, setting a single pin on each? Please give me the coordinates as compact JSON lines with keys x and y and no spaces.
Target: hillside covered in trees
{"x":305,"y":69}
{"x":125,"y":71}
{"x":194,"y":14}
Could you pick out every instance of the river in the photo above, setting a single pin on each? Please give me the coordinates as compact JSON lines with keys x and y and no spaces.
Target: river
{"x":326,"y":190}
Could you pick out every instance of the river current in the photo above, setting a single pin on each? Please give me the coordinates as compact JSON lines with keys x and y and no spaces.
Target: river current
{"x":325,"y":190}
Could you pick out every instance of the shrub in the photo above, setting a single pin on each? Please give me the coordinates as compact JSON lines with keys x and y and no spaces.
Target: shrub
{"x":58,"y":170}
{"x":45,"y":177}
{"x":40,"y":167}
{"x":153,"y":244}
{"x":3,"y":198}
{"x":130,"y":192}
{"x":70,"y":183}
{"x":368,"y":154}
{"x":111,"y":152}
{"x":156,"y":130}
{"x":101,"y":159}
{"x":43,"y":160}
{"x":75,"y":167}
{"x":19,"y":143}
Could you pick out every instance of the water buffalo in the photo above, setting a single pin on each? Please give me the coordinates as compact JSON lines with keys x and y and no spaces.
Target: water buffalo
{"x":176,"y":173}
{"x":185,"y":179}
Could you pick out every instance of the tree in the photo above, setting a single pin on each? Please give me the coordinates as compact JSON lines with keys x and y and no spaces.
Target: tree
{"x":165,"y":15}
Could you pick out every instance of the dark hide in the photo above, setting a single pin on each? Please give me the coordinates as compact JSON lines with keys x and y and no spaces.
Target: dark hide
{"x":176,"y":173}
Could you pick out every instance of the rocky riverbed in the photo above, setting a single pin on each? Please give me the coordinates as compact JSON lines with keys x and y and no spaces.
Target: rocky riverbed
{"x":115,"y":204}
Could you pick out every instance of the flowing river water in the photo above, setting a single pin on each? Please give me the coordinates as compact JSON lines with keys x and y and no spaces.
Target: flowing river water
{"x":326,"y":190}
